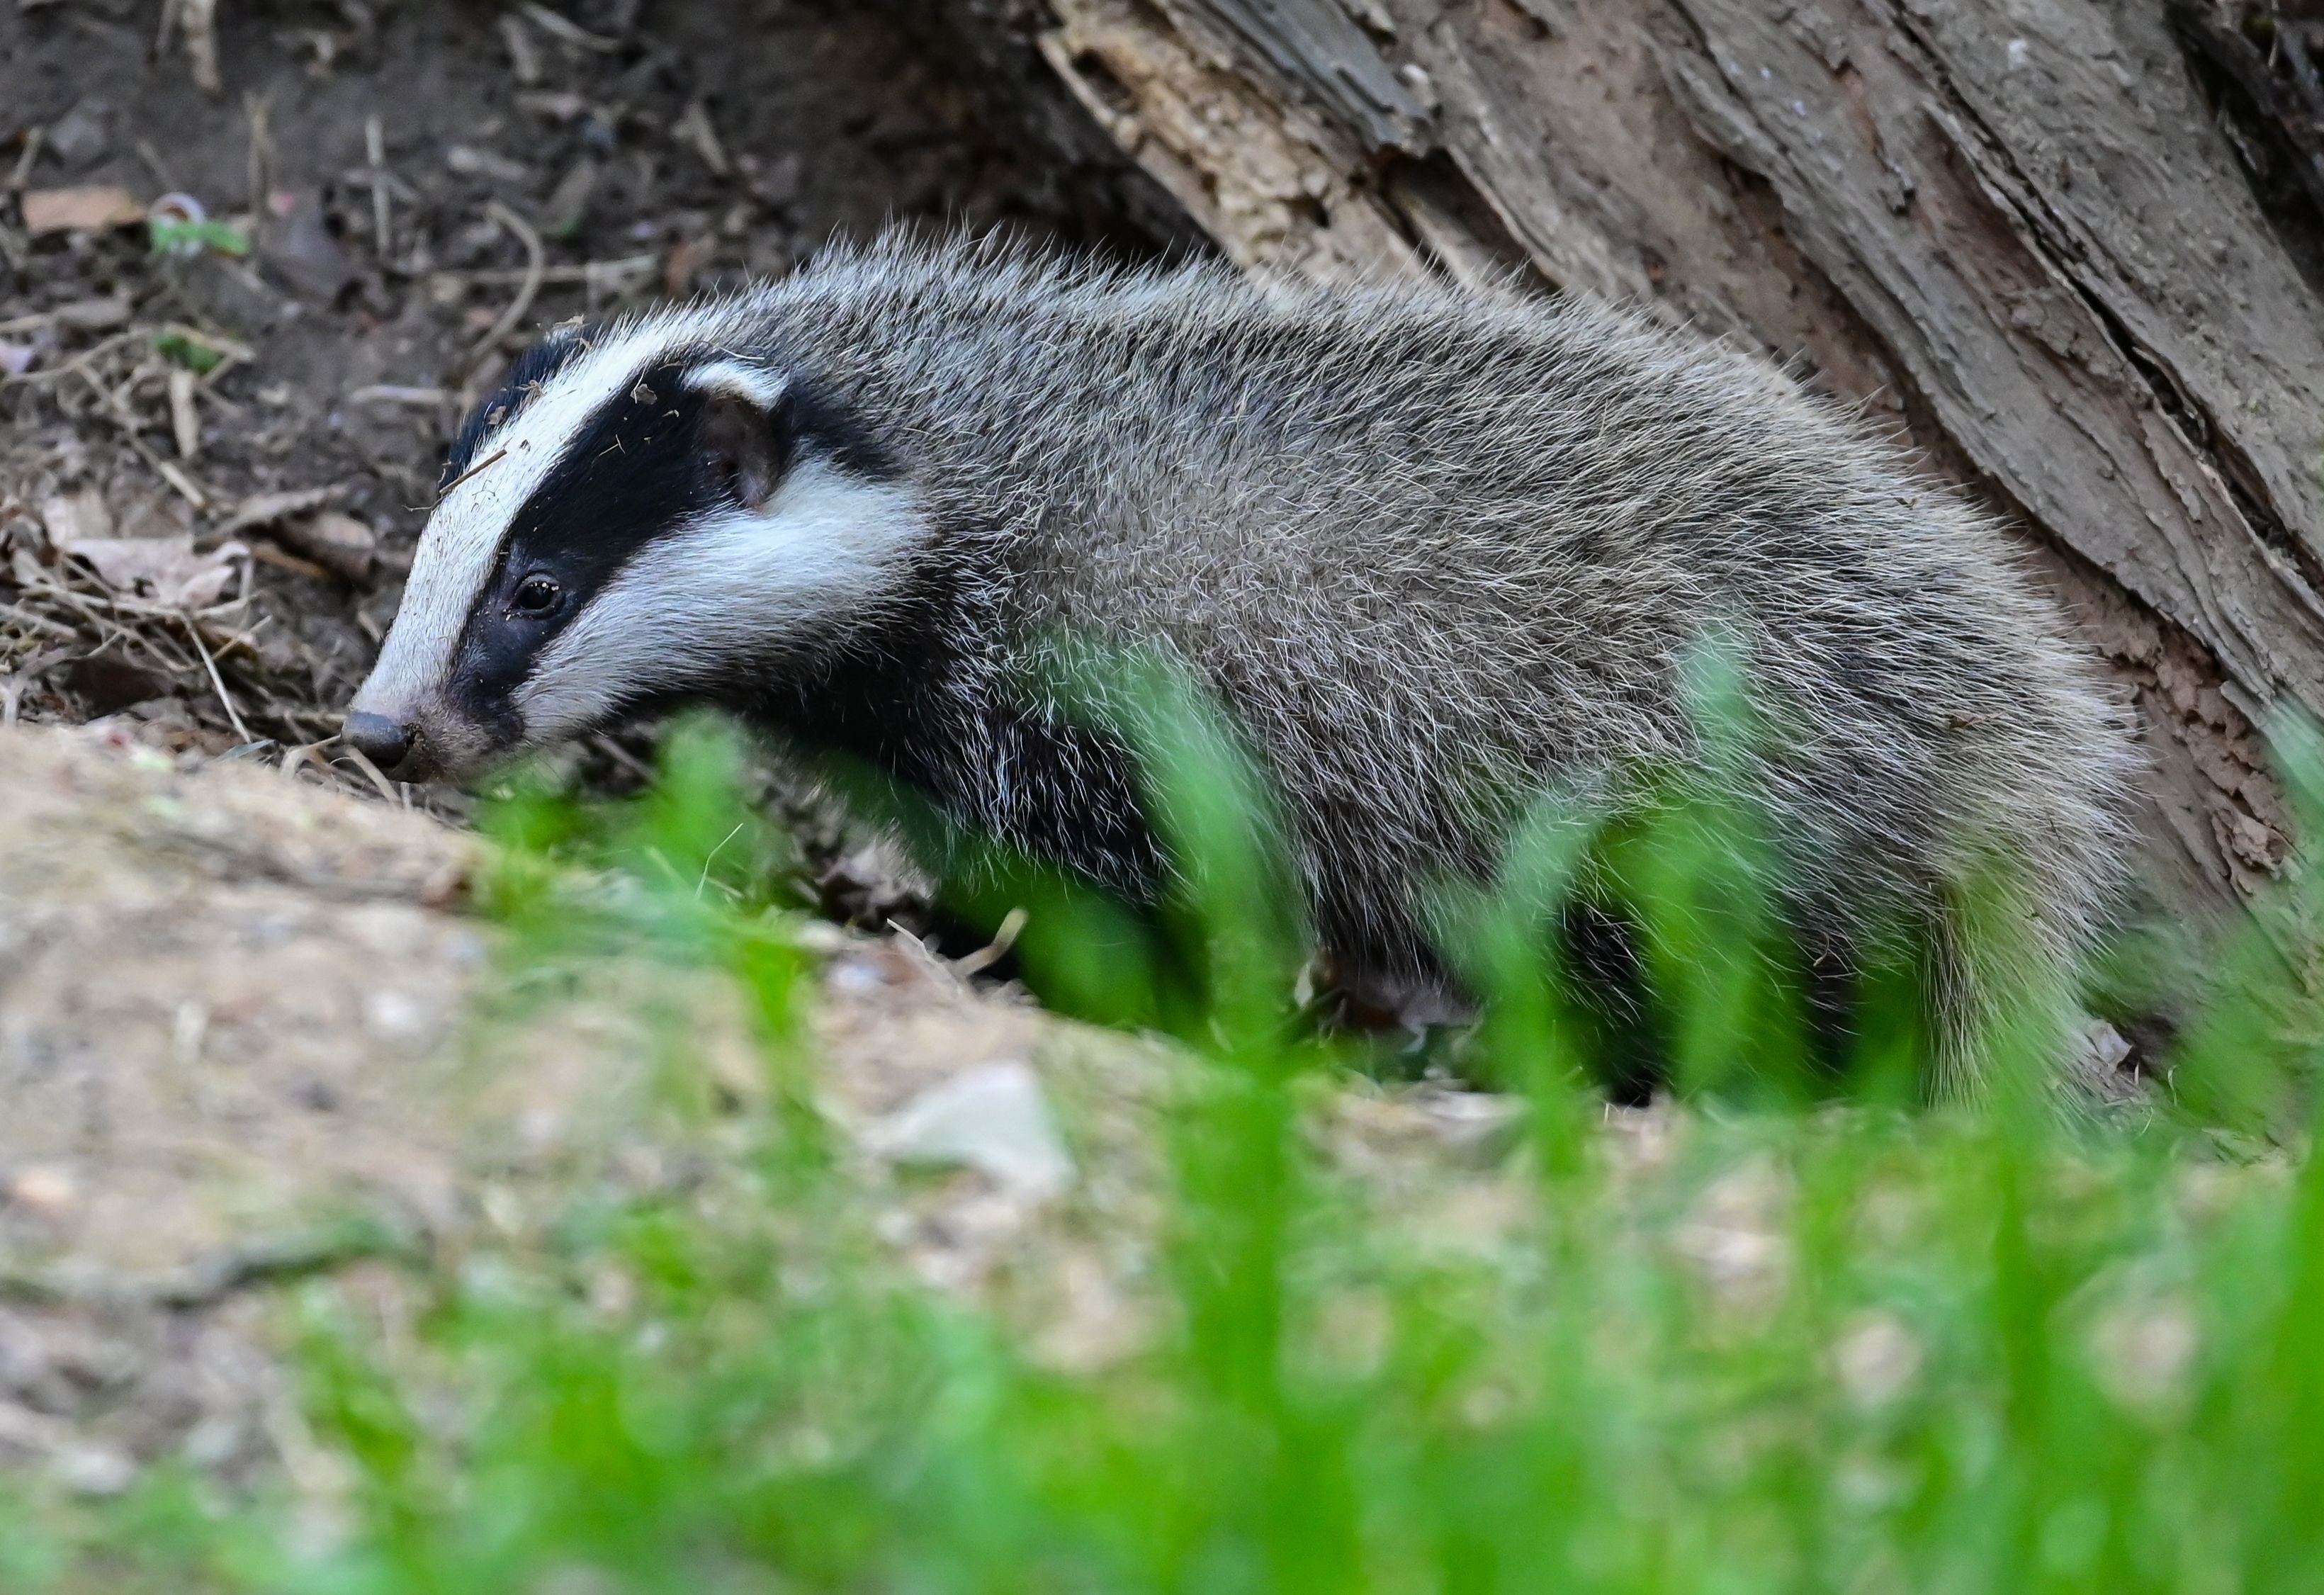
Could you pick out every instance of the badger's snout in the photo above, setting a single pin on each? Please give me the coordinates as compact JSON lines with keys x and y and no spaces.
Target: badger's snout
{"x":385,"y":742}
{"x":426,"y":742}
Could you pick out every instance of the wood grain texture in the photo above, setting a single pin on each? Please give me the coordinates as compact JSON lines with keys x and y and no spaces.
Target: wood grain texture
{"x":1271,"y":184}
{"x":2059,"y":254}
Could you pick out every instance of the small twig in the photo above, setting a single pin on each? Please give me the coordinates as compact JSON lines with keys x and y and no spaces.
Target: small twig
{"x":185,"y":422}
{"x":375,"y":152}
{"x":400,"y":393}
{"x":307,"y":753}
{"x":291,"y":711}
{"x":535,"y":264}
{"x":216,"y":680}
{"x":2304,"y":75}
{"x":126,"y":419}
{"x":622,"y":756}
{"x":386,"y":787}
{"x":214,"y":1276}
{"x":75,"y":366}
{"x":694,"y":128}
{"x":256,"y":113}
{"x":478,"y":469}
{"x":114,"y":600}
{"x":200,"y":18}
{"x":19,"y":615}
{"x":712,"y":858}
{"x":83,"y":315}
{"x":268,"y":554}
{"x":154,"y":164}
{"x":587,"y":273}
{"x":217,"y":343}
{"x":264,"y":509}
{"x":24,"y":172}
{"x":1012,"y":925}
{"x":107,"y":631}
{"x":524,"y":60}
{"x":14,"y":685}
{"x":572,"y":33}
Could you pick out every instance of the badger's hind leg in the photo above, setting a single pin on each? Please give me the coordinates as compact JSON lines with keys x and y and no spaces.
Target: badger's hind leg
{"x":2002,"y":998}
{"x":1854,"y":1020}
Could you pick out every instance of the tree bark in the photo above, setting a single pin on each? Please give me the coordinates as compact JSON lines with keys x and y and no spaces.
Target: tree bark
{"x":2070,"y":248}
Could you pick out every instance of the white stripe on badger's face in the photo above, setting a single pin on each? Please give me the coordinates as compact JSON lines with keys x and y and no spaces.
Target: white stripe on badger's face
{"x":723,"y":590}
{"x":459,"y":549}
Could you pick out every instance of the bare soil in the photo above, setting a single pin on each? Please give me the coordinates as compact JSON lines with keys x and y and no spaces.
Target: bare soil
{"x":248,"y":1034}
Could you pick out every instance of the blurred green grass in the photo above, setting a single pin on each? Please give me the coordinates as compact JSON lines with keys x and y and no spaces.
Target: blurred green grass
{"x":1799,"y":1335}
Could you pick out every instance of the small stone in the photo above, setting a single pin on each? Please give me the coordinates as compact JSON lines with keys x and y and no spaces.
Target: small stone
{"x":299,"y":249}
{"x":1877,"y":1360}
{"x":2143,"y":1354}
{"x":992,"y":1119}
{"x":569,"y":203}
{"x":82,"y":136}
{"x":784,"y":180}
{"x":93,"y":1470}
{"x":44,"y":1188}
{"x":395,"y":1015}
{"x":214,"y":1441}
{"x":470,"y":162}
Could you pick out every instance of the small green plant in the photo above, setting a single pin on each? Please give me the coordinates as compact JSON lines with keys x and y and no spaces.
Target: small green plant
{"x":201,"y":358}
{"x":175,"y":236}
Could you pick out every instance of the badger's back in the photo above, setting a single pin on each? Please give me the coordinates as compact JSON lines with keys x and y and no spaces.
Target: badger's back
{"x":1433,"y":549}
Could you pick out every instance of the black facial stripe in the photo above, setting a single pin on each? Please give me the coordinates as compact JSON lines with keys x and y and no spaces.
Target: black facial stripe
{"x":631,"y":473}
{"x":635,"y":470}
{"x":532,"y":370}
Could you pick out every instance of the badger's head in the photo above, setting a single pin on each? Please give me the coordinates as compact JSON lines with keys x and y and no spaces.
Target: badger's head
{"x":640,"y":516}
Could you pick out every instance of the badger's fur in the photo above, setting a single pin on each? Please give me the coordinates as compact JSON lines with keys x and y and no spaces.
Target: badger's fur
{"x":1430,"y":548}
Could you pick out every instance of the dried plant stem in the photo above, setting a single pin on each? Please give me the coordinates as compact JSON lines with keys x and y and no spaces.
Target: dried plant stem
{"x":216,"y":680}
{"x":535,"y":263}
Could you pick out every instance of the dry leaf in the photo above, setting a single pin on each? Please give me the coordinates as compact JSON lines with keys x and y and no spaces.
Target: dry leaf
{"x":166,"y":568}
{"x":72,"y":518}
{"x":992,"y":1117}
{"x":337,"y":542}
{"x":91,"y":315}
{"x":264,"y":509}
{"x":95,"y":209}
{"x":140,"y":509}
{"x":185,"y":419}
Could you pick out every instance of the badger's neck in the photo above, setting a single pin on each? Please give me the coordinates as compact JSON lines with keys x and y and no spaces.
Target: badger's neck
{"x":934,"y":696}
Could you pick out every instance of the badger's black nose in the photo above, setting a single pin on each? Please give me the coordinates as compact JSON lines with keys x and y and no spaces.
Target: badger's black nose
{"x":376,"y":738}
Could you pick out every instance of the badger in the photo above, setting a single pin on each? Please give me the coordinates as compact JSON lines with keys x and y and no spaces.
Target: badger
{"x":1430,"y":548}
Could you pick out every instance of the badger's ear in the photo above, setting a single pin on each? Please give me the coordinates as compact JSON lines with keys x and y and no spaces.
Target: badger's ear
{"x":747,"y":439}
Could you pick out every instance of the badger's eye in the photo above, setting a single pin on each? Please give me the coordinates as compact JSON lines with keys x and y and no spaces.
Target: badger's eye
{"x":537,"y":595}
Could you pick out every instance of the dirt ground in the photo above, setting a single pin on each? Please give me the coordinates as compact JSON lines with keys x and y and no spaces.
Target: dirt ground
{"x":247,"y":1033}
{"x":216,"y":448}
{"x":250,"y":1035}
